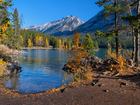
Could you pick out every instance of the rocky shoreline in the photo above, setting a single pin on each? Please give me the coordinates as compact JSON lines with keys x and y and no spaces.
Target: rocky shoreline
{"x":9,"y":51}
{"x":13,"y":64}
{"x":12,"y":68}
{"x":101,"y":65}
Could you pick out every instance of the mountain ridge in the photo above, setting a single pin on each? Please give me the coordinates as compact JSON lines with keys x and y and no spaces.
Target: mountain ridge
{"x":68,"y":23}
{"x":66,"y":29}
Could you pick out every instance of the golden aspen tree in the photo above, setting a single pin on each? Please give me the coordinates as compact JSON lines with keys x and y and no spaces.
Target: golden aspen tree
{"x":21,"y":38}
{"x":42,"y":44}
{"x":3,"y":29}
{"x":36,"y":40}
{"x":60,"y":43}
{"x":3,"y":66}
{"x":29,"y":42}
{"x":66,"y":47}
{"x":76,"y":55}
{"x":121,"y":64}
{"x":40,"y":40}
{"x":47,"y":43}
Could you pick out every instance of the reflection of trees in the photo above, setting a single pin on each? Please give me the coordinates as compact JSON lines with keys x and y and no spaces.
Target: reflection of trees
{"x":48,"y":61}
{"x":60,"y":55}
{"x":29,"y":55}
{"x":14,"y":81}
{"x":3,"y":80}
{"x":10,"y":81}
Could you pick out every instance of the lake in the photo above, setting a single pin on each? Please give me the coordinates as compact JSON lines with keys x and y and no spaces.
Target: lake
{"x":42,"y":70}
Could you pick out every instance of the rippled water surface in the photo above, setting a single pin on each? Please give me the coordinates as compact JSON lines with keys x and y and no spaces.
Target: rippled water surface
{"x":41,"y":70}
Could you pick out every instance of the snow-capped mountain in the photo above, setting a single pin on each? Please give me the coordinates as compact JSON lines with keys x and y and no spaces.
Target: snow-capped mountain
{"x":66,"y":24}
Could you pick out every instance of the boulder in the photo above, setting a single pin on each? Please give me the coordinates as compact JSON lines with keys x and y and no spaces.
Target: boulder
{"x":86,"y":62}
{"x":12,"y":68}
{"x":130,"y":62}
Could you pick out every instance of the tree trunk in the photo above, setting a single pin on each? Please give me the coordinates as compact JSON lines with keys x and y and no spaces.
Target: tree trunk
{"x":134,"y":44}
{"x":134,"y":38}
{"x":137,"y":35}
{"x":116,"y":31}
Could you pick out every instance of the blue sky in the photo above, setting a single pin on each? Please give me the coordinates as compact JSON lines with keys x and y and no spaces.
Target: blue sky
{"x":38,"y":12}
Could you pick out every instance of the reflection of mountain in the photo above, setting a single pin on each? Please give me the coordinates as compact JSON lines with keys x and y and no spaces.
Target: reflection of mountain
{"x":48,"y":61}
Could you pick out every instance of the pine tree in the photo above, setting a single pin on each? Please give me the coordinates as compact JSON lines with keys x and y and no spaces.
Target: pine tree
{"x":133,"y":22}
{"x":16,"y":27}
{"x":96,"y":44}
{"x":115,"y":7}
{"x":89,"y":45}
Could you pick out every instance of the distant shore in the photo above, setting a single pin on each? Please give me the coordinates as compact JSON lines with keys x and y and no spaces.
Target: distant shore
{"x":45,"y":48}
{"x":35,"y":48}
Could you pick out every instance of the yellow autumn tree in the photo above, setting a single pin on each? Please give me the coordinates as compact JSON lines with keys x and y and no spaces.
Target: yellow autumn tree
{"x":3,"y":66}
{"x":36,"y":40}
{"x":21,"y":39}
{"x":40,"y":40}
{"x":3,"y":28}
{"x":60,"y":43}
{"x":29,"y":42}
{"x":76,"y":54}
{"x":3,"y":32}
{"x":121,"y":64}
{"x":47,"y":43}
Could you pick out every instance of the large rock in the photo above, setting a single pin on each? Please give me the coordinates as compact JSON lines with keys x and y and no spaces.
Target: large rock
{"x":89,"y":61}
{"x":12,"y":68}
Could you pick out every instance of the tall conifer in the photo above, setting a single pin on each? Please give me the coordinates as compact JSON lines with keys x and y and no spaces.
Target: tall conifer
{"x":115,"y":7}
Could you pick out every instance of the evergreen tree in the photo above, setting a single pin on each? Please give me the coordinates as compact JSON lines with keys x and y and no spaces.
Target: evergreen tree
{"x":16,"y":28}
{"x":89,"y":45}
{"x":115,"y":7}
{"x":133,"y":22}
{"x":96,"y":44}
{"x":4,"y":13}
{"x":4,"y":18}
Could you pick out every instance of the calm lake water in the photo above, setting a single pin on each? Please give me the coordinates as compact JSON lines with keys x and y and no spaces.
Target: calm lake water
{"x":41,"y":70}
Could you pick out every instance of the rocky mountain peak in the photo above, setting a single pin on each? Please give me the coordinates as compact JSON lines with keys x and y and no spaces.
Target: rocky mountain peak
{"x":67,"y":23}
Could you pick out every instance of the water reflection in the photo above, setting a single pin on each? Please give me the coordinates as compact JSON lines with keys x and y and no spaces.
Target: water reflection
{"x":42,"y":70}
{"x":14,"y":81}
